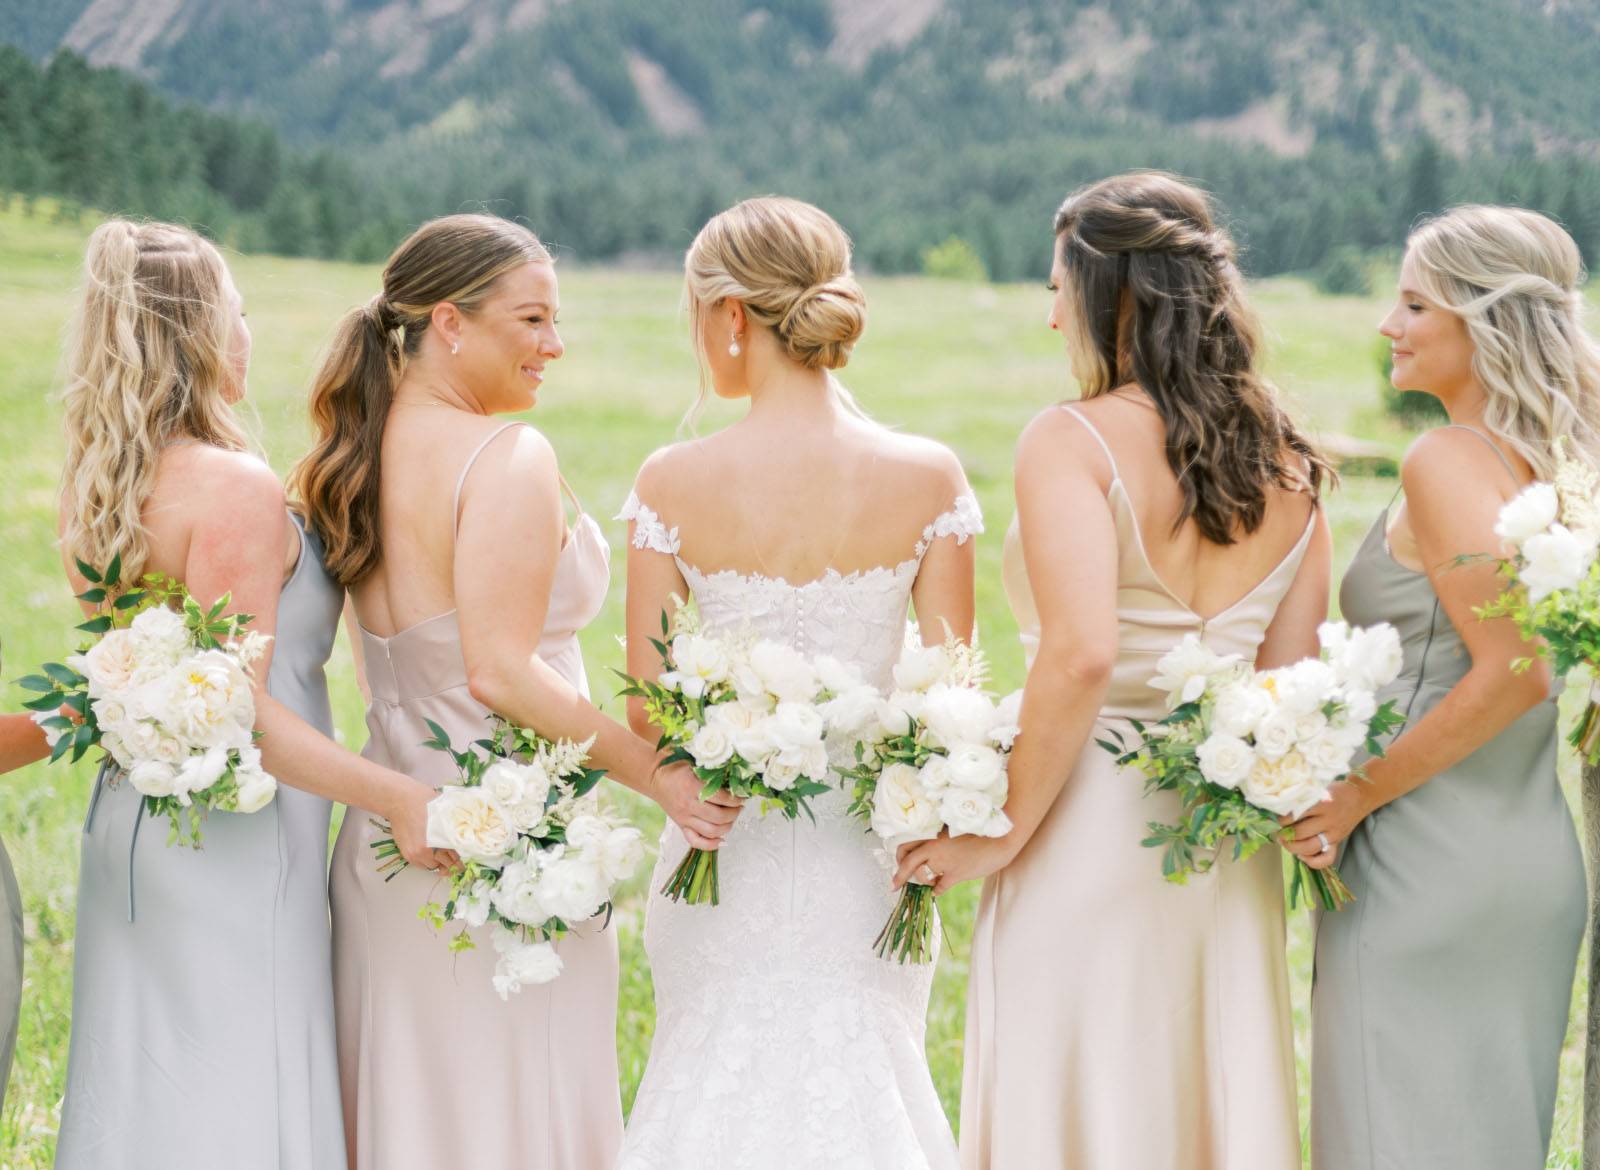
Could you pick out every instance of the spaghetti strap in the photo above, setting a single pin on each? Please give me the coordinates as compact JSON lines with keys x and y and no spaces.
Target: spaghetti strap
{"x":1493,"y":446}
{"x":461,"y":480}
{"x":1116,"y":474}
{"x":571,"y":495}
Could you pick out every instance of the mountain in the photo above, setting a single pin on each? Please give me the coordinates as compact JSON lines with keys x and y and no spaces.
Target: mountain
{"x":618,"y":125}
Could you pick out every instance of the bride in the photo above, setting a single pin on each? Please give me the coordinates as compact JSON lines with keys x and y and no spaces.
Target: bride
{"x":781,"y":1038}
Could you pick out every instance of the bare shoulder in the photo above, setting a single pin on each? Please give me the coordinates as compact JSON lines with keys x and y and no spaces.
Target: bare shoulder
{"x":212,"y":481}
{"x":522,"y":453}
{"x":923,"y":465}
{"x":672,"y":476}
{"x":1054,"y":438}
{"x":1449,"y":459}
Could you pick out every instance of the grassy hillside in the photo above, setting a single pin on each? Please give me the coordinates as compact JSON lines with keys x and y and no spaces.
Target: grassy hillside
{"x":966,"y":363}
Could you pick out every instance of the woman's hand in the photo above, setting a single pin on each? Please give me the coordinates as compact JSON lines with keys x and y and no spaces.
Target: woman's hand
{"x":1320,"y":832}
{"x":704,"y":822}
{"x":407,"y":815}
{"x":952,"y":860}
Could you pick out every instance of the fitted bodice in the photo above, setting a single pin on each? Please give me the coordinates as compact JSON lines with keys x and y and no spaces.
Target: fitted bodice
{"x":1151,"y":620}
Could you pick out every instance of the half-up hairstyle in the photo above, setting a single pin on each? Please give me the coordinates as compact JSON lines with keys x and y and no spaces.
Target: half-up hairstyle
{"x":457,"y":260}
{"x":788,"y":263}
{"x":146,"y":364}
{"x":1515,"y":279}
{"x":1160,"y":303}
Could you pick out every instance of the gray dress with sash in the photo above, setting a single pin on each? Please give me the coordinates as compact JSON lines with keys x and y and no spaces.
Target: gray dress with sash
{"x":202,"y":1004}
{"x":1441,"y":995}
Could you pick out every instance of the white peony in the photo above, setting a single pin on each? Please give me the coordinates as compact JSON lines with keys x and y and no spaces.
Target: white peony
{"x":206,"y":701}
{"x":1225,"y":759}
{"x":1532,"y":511}
{"x":620,"y":853}
{"x":901,"y":811}
{"x":198,"y":773}
{"x":1359,"y":706}
{"x":159,"y":636}
{"x":586,"y":831}
{"x":795,"y":726}
{"x":955,"y":715}
{"x":469,"y":821}
{"x":731,"y":717}
{"x":516,"y":895}
{"x":698,"y":663}
{"x":966,"y":811}
{"x":1303,"y":687}
{"x":503,"y":781}
{"x":256,"y":787}
{"x":1008,"y":717}
{"x":976,"y":767}
{"x":921,"y":667}
{"x":1328,"y":755}
{"x":1284,"y":786}
{"x":784,"y":672}
{"x":934,"y":776}
{"x":1239,"y":708}
{"x":473,"y":906}
{"x":781,"y":775}
{"x":1554,"y":560}
{"x":1367,"y":658}
{"x":893,"y":718}
{"x":851,"y":711}
{"x":754,"y":745}
{"x":523,"y":964}
{"x":711,"y":747}
{"x":1184,"y":671}
{"x":1274,"y":735}
{"x":154,"y":778}
{"x":835,"y":676}
{"x":573,"y":888}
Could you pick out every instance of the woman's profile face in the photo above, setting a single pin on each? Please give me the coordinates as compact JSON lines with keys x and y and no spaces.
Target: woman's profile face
{"x":239,"y":343}
{"x":506,"y":344}
{"x":1066,"y":316}
{"x":1430,"y":347}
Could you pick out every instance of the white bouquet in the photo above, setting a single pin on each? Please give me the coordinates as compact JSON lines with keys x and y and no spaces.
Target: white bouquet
{"x":1243,"y":748}
{"x":1553,"y":580}
{"x":166,"y":693}
{"x":538,"y":853}
{"x":930,"y":757}
{"x":750,"y":716}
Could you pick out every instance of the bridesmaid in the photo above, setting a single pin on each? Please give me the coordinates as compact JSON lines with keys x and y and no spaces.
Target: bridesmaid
{"x":1442,"y":994}
{"x":21,"y":743}
{"x":447,"y":526}
{"x":1114,"y":1019}
{"x":202,"y":1005}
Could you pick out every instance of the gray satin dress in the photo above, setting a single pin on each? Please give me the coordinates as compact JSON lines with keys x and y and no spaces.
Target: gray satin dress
{"x":1441,"y":995}
{"x":10,"y":968}
{"x":202,"y":1004}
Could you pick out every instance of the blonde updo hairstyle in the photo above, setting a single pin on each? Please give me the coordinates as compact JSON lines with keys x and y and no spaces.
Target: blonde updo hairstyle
{"x":1515,"y":278}
{"x":788,"y":263}
{"x":456,"y":259}
{"x":146,"y":364}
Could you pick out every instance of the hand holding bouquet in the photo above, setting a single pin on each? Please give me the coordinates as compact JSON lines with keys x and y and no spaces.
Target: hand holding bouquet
{"x":165,"y":692}
{"x":537,"y":852}
{"x":1553,"y":583}
{"x":1243,"y":748}
{"x":930,"y":758}
{"x":748,"y":716}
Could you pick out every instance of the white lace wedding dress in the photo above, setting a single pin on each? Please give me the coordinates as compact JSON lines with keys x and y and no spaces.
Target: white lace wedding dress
{"x":782,"y":1041}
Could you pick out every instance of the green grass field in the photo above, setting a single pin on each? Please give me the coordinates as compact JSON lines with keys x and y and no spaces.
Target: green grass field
{"x":967,"y":364}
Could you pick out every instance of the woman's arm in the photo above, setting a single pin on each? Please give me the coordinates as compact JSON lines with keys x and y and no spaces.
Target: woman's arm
{"x":1292,"y":633}
{"x":1454,"y":489}
{"x":943,"y":593}
{"x":236,"y":546}
{"x":510,"y":537}
{"x":1073,"y":572}
{"x":22,"y":742}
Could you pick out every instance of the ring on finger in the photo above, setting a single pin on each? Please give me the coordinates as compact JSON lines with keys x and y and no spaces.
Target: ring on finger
{"x":1322,"y":839}
{"x":928,"y":875}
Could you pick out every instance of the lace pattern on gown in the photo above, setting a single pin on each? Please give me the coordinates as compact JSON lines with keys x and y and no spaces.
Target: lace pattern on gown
{"x":781,"y":1038}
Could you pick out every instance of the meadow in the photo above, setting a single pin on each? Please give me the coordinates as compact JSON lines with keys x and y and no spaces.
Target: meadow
{"x":966,"y":363}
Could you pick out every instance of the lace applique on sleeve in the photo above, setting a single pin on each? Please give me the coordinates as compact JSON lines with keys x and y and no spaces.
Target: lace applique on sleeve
{"x":963,"y":520}
{"x":648,"y":530}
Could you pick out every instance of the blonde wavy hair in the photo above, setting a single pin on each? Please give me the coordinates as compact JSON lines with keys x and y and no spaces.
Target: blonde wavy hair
{"x":788,"y":263}
{"x":146,"y":363}
{"x":1515,"y":278}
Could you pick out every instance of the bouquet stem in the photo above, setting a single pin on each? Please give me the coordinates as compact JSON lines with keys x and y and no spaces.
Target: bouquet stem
{"x":1326,"y":884}
{"x":908,"y":935}
{"x":1585,"y":736}
{"x":695,"y":879}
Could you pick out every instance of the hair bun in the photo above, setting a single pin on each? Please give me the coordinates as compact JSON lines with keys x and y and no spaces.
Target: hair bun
{"x":823,"y":323}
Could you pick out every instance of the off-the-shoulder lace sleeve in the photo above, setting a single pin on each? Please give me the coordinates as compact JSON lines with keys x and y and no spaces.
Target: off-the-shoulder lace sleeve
{"x":648,"y":530}
{"x":961,"y":521}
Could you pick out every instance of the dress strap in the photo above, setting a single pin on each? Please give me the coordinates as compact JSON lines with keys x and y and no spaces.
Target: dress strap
{"x":648,"y":530}
{"x":1098,"y":437}
{"x":964,"y":519}
{"x":1493,"y":446}
{"x":461,"y":480}
{"x":570,"y":494}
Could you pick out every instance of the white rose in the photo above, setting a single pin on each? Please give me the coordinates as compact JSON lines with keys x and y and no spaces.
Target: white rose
{"x":795,"y":726}
{"x":143,"y":738}
{"x":901,"y":811}
{"x":116,"y":749}
{"x":154,"y":778}
{"x":781,"y":775}
{"x":966,"y":811}
{"x":1275,"y":734}
{"x":893,"y":718}
{"x":711,"y":747}
{"x":956,"y":715}
{"x":1225,"y":760}
{"x":730,"y":717}
{"x":921,"y":667}
{"x":160,"y":635}
{"x":1366,"y":658}
{"x":935,"y":776}
{"x":1532,"y":511}
{"x":523,"y":964}
{"x":754,"y":745}
{"x":784,"y":672}
{"x":198,"y":773}
{"x":621,"y":852}
{"x":1328,"y":755}
{"x":473,"y":906}
{"x":1008,"y":716}
{"x":515,"y":894}
{"x":1307,"y":727}
{"x":504,"y":783}
{"x":111,"y":664}
{"x":1240,"y":707}
{"x":1359,"y":706}
{"x":976,"y":767}
{"x":469,"y":821}
{"x":1188,"y":668}
{"x":814,"y":762}
{"x":1305,"y":686}
{"x":573,"y":888}
{"x":585,"y":831}
{"x":1284,"y":786}
{"x":1557,"y":559}
{"x":256,"y":788}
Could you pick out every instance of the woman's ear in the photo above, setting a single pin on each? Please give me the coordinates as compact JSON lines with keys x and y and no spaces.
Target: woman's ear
{"x":445,"y":320}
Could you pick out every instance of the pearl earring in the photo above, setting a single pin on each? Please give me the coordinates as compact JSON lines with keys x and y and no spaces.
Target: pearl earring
{"x":733,"y":346}
{"x":455,"y":347}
